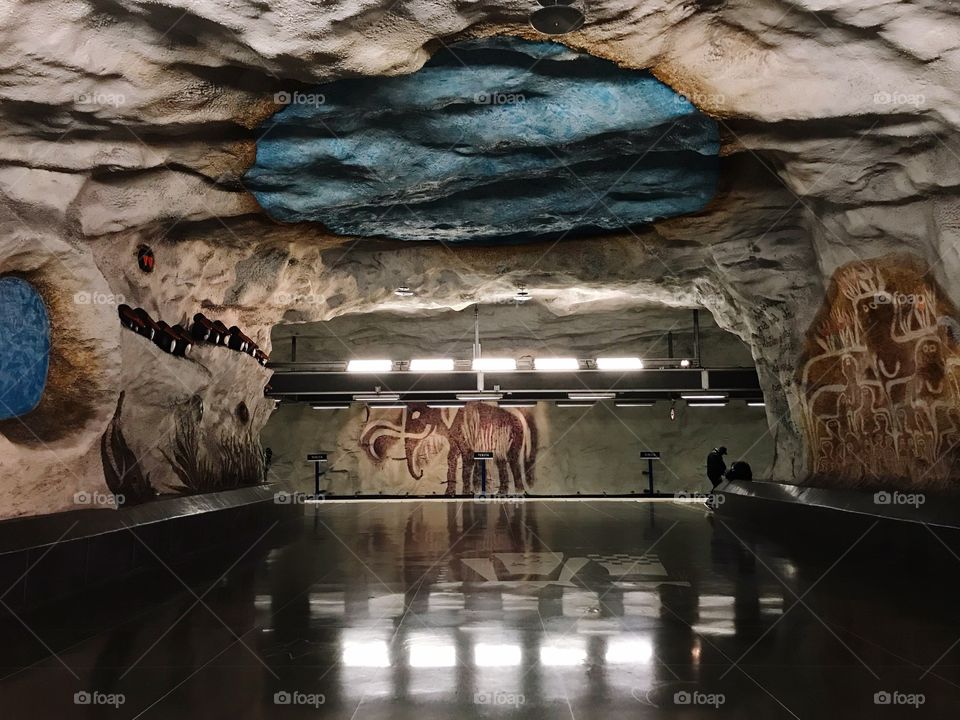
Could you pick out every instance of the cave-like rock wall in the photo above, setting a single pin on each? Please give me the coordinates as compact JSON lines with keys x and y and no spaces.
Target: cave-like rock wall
{"x":135,"y":123}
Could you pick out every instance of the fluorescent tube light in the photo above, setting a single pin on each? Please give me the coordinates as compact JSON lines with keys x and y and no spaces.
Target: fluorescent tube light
{"x":758,"y":403}
{"x":377,"y":397}
{"x":370,"y":366}
{"x":715,"y":403}
{"x":591,"y":395}
{"x":332,"y":406}
{"x":703,"y":396}
{"x":479,"y":396}
{"x":619,"y":363}
{"x":431,"y":365}
{"x":494,"y":364}
{"x":556,"y":364}
{"x":634,"y":403}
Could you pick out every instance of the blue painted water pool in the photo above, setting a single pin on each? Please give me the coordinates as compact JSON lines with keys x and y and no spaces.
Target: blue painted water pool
{"x":24,"y":347}
{"x":498,"y":139}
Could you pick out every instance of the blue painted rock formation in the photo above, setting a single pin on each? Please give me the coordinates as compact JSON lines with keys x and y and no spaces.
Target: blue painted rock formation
{"x":24,"y":347}
{"x":494,"y":139}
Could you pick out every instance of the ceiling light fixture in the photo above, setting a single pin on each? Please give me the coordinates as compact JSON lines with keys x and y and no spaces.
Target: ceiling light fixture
{"x":403,"y":291}
{"x":522,"y":296}
{"x":703,"y":396}
{"x":376,"y":397}
{"x":619,"y":363}
{"x":332,"y":406}
{"x":634,"y":403}
{"x":556,"y":17}
{"x":574,"y":403}
{"x":684,"y":363}
{"x":556,"y":364}
{"x":480,"y":396}
{"x":756,"y":403}
{"x":431,"y":365}
{"x":370,"y":366}
{"x":591,"y":395}
{"x":493,"y":364}
{"x":444,"y":405}
{"x":707,"y":404}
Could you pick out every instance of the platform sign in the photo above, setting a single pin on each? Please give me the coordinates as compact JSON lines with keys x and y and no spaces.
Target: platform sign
{"x":482,"y":455}
{"x":649,"y":456}
{"x":317,"y":459}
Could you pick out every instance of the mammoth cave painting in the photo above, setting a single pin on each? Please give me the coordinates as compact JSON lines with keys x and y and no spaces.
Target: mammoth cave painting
{"x":419,"y":433}
{"x":881,"y":378}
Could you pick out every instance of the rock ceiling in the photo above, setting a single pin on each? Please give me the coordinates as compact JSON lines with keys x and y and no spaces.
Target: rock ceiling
{"x":137,"y":123}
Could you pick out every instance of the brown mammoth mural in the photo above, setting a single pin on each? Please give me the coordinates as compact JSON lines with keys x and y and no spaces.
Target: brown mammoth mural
{"x":880,"y":378}
{"x":419,"y":432}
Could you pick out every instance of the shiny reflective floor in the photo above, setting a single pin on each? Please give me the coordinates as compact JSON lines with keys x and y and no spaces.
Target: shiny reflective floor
{"x":494,"y":609}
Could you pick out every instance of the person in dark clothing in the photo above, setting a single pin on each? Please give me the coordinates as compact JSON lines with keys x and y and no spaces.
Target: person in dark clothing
{"x":740,"y":470}
{"x":716,"y":467}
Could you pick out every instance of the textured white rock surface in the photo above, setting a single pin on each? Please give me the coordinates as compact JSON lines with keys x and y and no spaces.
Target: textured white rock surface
{"x":129,"y":123}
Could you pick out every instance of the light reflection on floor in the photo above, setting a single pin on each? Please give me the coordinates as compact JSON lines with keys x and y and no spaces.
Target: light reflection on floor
{"x":536,"y":610}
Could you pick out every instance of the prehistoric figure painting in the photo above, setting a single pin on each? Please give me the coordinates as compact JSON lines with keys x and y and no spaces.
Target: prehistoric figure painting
{"x":419,"y":433}
{"x":880,"y":379}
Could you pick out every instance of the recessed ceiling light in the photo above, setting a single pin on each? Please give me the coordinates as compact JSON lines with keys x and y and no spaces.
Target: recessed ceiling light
{"x":703,"y":396}
{"x":591,"y":395}
{"x":714,"y":403}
